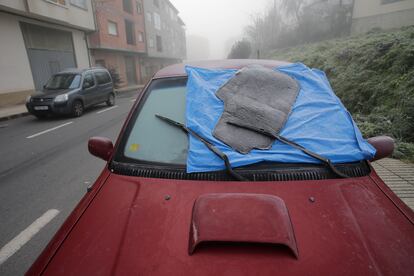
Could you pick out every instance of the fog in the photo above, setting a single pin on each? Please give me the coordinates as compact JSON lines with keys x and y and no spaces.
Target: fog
{"x":221,"y":22}
{"x":219,"y":29}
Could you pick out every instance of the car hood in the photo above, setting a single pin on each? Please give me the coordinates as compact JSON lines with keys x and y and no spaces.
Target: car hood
{"x":142,"y":226}
{"x":48,"y":93}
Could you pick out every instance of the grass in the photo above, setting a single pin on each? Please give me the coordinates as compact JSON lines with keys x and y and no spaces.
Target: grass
{"x":373,"y":74}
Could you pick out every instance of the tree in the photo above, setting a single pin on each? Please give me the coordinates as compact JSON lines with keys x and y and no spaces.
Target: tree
{"x":240,"y":50}
{"x":292,"y":22}
{"x":293,"y":7}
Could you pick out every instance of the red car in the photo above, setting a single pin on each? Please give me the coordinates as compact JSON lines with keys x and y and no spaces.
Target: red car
{"x":152,"y":218}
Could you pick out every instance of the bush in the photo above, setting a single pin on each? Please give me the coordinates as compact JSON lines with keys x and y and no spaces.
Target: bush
{"x":116,"y":78}
{"x":404,"y":151}
{"x":373,"y":74}
{"x":240,"y":50}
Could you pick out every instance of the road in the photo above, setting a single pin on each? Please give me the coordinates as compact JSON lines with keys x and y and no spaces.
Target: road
{"x":45,"y":169}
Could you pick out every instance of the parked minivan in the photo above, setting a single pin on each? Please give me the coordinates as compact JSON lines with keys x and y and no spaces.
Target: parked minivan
{"x":71,"y":92}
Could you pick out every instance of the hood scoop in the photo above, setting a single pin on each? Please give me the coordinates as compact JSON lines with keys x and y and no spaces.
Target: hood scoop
{"x":241,"y":218}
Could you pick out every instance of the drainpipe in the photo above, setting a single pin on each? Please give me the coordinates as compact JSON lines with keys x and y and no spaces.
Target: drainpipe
{"x":88,"y":50}
{"x":96,"y":29}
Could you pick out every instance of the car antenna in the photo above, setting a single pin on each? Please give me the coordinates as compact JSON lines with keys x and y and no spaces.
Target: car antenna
{"x":210,"y":146}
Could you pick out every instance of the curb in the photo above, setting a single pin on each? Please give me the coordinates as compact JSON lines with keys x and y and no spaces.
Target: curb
{"x":13,"y":116}
{"x":134,"y":89}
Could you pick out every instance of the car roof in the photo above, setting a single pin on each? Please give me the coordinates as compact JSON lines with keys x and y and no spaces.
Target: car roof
{"x":179,"y":69}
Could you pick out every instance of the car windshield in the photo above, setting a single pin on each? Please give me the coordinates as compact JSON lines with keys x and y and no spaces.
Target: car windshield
{"x":151,"y":139}
{"x":63,"y":81}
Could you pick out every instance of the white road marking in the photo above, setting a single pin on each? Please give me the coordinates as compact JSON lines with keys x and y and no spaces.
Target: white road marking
{"x":15,"y":244}
{"x":133,"y":100}
{"x":99,"y":112}
{"x":48,"y":130}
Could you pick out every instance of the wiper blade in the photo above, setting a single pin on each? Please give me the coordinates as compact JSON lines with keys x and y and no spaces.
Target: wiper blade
{"x":210,"y":146}
{"x":273,"y":134}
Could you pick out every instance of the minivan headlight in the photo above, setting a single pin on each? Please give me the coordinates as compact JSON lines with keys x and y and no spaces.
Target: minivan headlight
{"x":61,"y":98}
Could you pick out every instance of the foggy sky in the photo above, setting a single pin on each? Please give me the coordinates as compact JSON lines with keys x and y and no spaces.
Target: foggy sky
{"x":220,"y":21}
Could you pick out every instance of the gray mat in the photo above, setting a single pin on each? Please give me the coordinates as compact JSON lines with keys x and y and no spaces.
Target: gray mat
{"x":255,"y":96}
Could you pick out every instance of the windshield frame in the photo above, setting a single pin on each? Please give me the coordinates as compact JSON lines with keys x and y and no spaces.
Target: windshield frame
{"x":119,"y":155}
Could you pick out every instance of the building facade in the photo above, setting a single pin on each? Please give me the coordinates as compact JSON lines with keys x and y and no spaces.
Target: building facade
{"x":119,"y":42}
{"x":39,"y":38}
{"x":384,"y":14}
{"x":165,"y":33}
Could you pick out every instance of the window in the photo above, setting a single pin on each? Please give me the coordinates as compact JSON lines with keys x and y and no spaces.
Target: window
{"x":151,"y":43}
{"x":140,"y":37}
{"x":102,"y":77}
{"x":149,"y":17}
{"x":112,"y":28}
{"x":159,"y":43}
{"x":79,"y":3}
{"x":88,"y":81}
{"x":60,"y":2}
{"x":38,"y":37}
{"x":129,"y":30}
{"x":156,"y":3}
{"x":127,"y":5}
{"x":100,"y":63}
{"x":166,"y":97}
{"x":171,"y":14}
{"x":63,"y":81}
{"x":76,"y":82}
{"x":139,"y":7}
{"x":157,"y":21}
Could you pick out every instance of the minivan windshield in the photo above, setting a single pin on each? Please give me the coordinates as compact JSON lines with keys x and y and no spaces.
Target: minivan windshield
{"x":151,"y":139}
{"x":63,"y":81}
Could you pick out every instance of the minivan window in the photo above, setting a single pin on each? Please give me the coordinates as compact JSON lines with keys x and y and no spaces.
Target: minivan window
{"x":63,"y":81}
{"x":102,"y":77}
{"x":88,"y":79}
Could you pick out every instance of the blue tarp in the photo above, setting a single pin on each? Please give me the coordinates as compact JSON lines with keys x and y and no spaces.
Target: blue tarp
{"x":318,"y":121}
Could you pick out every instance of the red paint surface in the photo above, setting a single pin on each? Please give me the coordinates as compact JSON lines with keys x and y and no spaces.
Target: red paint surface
{"x":352,"y":228}
{"x":225,"y":218}
{"x":100,"y":147}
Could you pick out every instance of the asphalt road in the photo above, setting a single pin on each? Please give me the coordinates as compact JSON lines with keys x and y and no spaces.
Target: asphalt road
{"x":45,"y":169}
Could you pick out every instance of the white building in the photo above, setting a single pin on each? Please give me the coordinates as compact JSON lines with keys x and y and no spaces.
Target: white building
{"x":384,"y":14}
{"x":39,"y":38}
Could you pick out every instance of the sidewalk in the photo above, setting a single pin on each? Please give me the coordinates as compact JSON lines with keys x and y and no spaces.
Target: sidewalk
{"x":10,"y":112}
{"x":399,"y":176}
{"x":14,"y":111}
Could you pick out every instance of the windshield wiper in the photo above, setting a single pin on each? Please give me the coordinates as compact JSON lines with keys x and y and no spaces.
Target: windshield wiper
{"x":224,"y":157}
{"x":210,"y":146}
{"x":274,"y":135}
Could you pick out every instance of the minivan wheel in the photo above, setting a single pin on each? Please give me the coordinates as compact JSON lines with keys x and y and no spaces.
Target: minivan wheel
{"x":111,"y":100}
{"x":77,"y":108}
